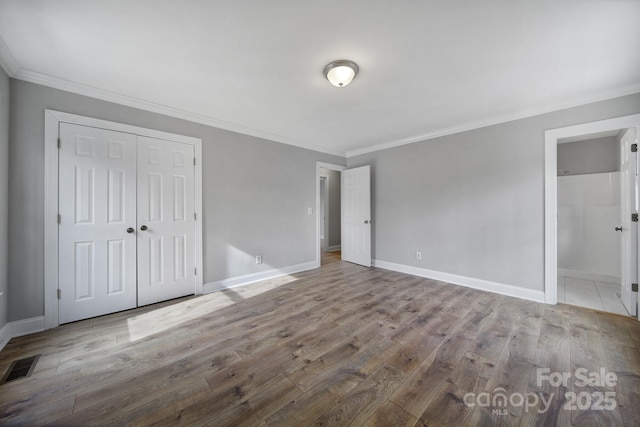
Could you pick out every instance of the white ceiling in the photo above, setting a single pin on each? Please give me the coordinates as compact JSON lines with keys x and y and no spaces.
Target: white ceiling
{"x":427,"y":68}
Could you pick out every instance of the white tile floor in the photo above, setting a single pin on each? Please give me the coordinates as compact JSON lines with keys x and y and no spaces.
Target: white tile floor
{"x":588,"y":293}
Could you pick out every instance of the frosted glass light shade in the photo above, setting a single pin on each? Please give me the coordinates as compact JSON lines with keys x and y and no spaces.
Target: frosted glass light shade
{"x":341,"y":73}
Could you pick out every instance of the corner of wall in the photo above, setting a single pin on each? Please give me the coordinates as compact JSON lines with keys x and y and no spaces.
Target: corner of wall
{"x":20,"y":328}
{"x":4,"y":196}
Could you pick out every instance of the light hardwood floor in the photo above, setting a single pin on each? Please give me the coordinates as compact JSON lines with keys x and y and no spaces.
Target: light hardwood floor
{"x":342,"y":345}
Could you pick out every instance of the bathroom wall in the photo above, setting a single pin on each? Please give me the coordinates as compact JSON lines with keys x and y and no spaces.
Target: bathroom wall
{"x":588,"y":212}
{"x":589,"y":156}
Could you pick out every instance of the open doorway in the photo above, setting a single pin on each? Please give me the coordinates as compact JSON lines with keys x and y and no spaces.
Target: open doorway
{"x":328,"y":179}
{"x":590,"y":232}
{"x":627,"y":231}
{"x":323,"y":212}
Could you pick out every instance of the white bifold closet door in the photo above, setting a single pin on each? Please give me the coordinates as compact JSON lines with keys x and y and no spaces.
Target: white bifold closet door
{"x":97,"y":190}
{"x":166,"y":223}
{"x":127,"y":228}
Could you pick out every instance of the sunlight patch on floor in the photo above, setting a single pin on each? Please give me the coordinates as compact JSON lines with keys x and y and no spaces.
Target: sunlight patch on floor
{"x":258,"y":288}
{"x":169,"y":316}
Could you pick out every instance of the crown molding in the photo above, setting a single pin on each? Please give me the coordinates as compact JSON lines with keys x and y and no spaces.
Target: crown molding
{"x":630,"y":90}
{"x":104,"y":95}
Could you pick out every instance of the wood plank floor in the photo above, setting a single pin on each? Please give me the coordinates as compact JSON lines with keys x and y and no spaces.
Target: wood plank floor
{"x":342,"y":345}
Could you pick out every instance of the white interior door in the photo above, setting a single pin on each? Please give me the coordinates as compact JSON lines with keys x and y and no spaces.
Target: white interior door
{"x":166,"y":223}
{"x":356,"y":215}
{"x":97,"y":204}
{"x":628,"y":178}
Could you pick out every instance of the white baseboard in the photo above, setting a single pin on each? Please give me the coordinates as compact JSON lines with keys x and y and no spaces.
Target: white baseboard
{"x":234,"y":282}
{"x":585,"y":275}
{"x":19,"y":328}
{"x":334,"y":248}
{"x":470,"y":282}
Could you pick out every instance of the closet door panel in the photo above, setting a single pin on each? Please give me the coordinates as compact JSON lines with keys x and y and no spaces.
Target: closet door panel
{"x":166,"y":224}
{"x":97,"y":204}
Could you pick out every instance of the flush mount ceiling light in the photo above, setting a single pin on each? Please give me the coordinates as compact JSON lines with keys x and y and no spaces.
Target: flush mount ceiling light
{"x":340,"y":73}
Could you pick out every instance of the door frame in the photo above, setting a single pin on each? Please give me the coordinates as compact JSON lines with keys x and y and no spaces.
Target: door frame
{"x":52,"y":120}
{"x":324,"y":211}
{"x":629,"y":241}
{"x":318,"y":216}
{"x":551,"y":138}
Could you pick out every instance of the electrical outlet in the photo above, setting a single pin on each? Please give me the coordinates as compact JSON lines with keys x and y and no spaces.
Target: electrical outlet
{"x":258,"y":259}
{"x":418,"y":255}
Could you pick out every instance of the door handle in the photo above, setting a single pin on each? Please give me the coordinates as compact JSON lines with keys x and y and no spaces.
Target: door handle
{"x":619,"y":229}
{"x":130,"y":230}
{"x":143,"y":227}
{"x":366,"y":221}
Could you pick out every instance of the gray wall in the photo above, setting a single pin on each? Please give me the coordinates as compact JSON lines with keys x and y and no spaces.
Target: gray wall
{"x":589,"y":156}
{"x":472,"y":202}
{"x":4,"y":191}
{"x":335,"y":235}
{"x":255,"y":193}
